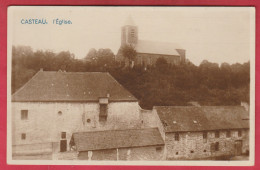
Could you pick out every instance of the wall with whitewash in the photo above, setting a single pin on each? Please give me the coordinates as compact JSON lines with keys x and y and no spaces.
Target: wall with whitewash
{"x":45,"y":124}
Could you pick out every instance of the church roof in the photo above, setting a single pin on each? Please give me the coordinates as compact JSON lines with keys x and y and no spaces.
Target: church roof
{"x":112,"y":139}
{"x":150,"y":47}
{"x":48,"y":86}
{"x":192,"y":118}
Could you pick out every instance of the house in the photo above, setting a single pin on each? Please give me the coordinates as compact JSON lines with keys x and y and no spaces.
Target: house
{"x":148,"y":51}
{"x":203,"y":132}
{"x":53,"y":106}
{"x":132,"y":144}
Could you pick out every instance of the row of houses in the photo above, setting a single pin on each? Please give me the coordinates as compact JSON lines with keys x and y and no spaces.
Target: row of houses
{"x":90,"y":116}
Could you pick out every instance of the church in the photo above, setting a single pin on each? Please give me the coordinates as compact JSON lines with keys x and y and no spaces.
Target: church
{"x":148,"y":51}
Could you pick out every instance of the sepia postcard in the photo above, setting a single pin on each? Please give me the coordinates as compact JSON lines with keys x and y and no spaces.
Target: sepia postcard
{"x":115,"y":85}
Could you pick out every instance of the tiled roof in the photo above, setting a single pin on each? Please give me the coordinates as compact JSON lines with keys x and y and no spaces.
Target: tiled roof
{"x":48,"y":86}
{"x":192,"y":118}
{"x":111,"y":139}
{"x":150,"y":47}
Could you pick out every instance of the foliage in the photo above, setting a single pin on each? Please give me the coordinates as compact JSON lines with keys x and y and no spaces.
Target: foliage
{"x":129,"y":52}
{"x":101,"y":58}
{"x":163,"y":84}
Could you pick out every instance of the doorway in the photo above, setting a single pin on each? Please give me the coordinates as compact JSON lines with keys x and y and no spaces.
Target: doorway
{"x":63,"y":145}
{"x":238,"y":147}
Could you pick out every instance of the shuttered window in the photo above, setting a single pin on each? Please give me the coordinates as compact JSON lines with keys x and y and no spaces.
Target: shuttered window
{"x":103,"y":112}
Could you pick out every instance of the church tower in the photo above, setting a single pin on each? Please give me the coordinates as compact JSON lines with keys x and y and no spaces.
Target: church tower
{"x":129,"y":33}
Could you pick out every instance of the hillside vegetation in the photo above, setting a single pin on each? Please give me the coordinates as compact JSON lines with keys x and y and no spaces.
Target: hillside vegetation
{"x":162,"y":84}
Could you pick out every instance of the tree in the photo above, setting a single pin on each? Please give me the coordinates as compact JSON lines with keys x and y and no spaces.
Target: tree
{"x":163,"y":84}
{"x":92,"y":55}
{"x":162,"y":65}
{"x":130,"y":53}
{"x":105,"y":57}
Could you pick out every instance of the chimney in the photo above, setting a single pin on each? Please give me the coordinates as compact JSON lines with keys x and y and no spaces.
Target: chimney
{"x":41,"y":69}
{"x":108,"y":95}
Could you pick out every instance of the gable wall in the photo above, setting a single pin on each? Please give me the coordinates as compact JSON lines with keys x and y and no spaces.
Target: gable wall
{"x":44,"y":124}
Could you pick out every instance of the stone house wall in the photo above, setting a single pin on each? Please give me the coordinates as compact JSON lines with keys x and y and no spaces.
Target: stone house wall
{"x":45,"y":124}
{"x":191,"y":145}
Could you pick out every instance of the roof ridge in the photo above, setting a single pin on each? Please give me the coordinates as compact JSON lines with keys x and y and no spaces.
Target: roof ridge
{"x":116,"y":130}
{"x":72,"y":72}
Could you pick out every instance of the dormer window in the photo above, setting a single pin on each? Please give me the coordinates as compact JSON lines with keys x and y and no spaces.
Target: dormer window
{"x":103,"y":102}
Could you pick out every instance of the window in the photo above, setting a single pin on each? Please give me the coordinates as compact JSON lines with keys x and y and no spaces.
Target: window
{"x":239,"y":133}
{"x":212,"y":147}
{"x":88,"y":120}
{"x":23,"y":136}
{"x":191,"y":151}
{"x":205,"y":150}
{"x":217,"y":134}
{"x":177,"y":136}
{"x":63,"y":135}
{"x":205,"y":136}
{"x":228,"y":134}
{"x":60,"y":112}
{"x":24,"y":114}
{"x":103,"y":112}
{"x":177,"y":153}
{"x":216,"y":146}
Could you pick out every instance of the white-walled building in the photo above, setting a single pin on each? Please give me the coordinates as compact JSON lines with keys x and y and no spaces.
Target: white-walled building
{"x":52,"y":106}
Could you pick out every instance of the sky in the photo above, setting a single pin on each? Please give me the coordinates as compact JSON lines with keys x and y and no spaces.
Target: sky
{"x":216,"y":34}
